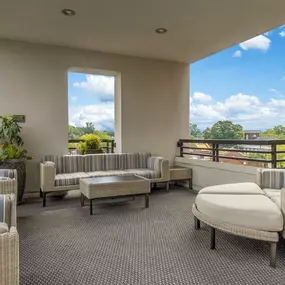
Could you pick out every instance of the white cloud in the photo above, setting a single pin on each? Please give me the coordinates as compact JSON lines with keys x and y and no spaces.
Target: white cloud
{"x":237,"y":53}
{"x":277,"y":92}
{"x":282,"y":34}
{"x":260,"y":42}
{"x":101,"y":115}
{"x":243,"y":109}
{"x":73,"y":98}
{"x":103,"y":86}
{"x":199,"y":96}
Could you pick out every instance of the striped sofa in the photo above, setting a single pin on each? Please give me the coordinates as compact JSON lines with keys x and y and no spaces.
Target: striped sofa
{"x":9,"y":241}
{"x":63,"y":172}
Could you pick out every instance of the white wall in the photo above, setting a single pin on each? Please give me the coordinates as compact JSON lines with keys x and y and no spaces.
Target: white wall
{"x":208,"y":173}
{"x":33,"y":82}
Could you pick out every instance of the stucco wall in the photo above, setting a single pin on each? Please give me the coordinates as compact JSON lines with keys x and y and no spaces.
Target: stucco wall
{"x":208,"y":173}
{"x":154,"y":99}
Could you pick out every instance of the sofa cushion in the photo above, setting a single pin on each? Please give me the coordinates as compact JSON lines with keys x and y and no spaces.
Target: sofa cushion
{"x":248,"y":211}
{"x":107,"y":173}
{"x":233,"y":188}
{"x":133,"y":160}
{"x":7,"y":173}
{"x":57,"y":160}
{"x":5,"y":209}
{"x":66,"y":179}
{"x":94,"y":162}
{"x":144,"y":172}
{"x":72,"y":163}
{"x":3,"y":228}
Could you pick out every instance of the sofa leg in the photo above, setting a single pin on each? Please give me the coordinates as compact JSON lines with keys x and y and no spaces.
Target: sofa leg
{"x":273,"y":248}
{"x":197,"y":223}
{"x":44,"y":199}
{"x":167,"y":187}
{"x":146,"y":200}
{"x":213,"y":238}
{"x":41,"y":193}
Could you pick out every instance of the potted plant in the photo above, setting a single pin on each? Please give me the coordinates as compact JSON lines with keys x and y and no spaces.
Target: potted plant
{"x":12,"y":153}
{"x":90,"y":143}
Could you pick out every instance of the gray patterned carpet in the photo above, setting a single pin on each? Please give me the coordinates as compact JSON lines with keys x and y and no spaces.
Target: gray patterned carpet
{"x":124,"y":243}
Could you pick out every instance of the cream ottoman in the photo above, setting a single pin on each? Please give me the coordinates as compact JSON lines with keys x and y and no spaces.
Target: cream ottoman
{"x":241,"y":209}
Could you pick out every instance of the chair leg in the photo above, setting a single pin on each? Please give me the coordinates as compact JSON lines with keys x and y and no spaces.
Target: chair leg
{"x":146,"y":200}
{"x":44,"y":199}
{"x":213,"y":238}
{"x":273,"y":248}
{"x":197,"y":223}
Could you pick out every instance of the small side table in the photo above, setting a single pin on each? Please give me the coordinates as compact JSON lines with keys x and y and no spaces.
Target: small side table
{"x":181,"y":173}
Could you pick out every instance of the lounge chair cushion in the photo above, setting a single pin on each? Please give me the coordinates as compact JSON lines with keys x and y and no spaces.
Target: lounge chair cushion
{"x":274,"y":195}
{"x":3,"y":228}
{"x":248,"y":211}
{"x":233,"y":188}
{"x":5,"y":209}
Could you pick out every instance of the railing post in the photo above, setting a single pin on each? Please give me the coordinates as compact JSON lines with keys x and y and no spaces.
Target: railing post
{"x":217,"y":152}
{"x":113,"y":146}
{"x":214,"y":151}
{"x":273,"y":156}
{"x":180,"y":145}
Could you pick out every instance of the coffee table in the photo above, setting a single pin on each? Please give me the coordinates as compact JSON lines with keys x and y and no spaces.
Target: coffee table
{"x":114,"y":186}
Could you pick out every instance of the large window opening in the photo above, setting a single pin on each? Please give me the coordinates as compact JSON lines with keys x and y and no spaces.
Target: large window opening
{"x":239,"y":93}
{"x":91,"y":112}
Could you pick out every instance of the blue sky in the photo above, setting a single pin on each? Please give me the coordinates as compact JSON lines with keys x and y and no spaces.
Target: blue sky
{"x":244,"y":83}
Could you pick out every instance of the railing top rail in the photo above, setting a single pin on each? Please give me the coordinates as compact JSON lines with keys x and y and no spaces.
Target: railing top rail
{"x":240,"y":142}
{"x":81,"y":140}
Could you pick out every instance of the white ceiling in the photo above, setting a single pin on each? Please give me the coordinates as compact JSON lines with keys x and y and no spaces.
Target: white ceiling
{"x":196,"y":28}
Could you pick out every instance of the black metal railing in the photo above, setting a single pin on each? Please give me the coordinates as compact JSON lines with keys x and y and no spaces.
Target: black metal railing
{"x":108,"y":145}
{"x":268,"y":152}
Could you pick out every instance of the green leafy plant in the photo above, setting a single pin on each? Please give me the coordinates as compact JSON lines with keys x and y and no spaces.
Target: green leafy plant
{"x":91,"y":142}
{"x":11,"y":141}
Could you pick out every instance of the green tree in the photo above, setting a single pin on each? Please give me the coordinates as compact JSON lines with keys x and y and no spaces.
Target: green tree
{"x":74,"y":132}
{"x":224,"y":130}
{"x":89,"y":128}
{"x":279,"y":131}
{"x":195,"y":132}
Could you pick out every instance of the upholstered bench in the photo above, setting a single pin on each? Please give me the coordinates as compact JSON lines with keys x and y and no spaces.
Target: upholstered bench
{"x":242,"y":209}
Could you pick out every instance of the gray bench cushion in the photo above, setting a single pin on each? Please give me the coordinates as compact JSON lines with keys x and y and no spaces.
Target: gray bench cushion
{"x":144,"y":172}
{"x":7,"y":173}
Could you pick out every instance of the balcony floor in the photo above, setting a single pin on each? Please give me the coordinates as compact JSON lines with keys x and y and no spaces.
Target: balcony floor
{"x":124,"y":243}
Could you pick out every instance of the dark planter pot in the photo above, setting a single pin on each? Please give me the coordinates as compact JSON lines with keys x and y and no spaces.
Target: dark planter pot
{"x":94,"y":151}
{"x":20,"y":166}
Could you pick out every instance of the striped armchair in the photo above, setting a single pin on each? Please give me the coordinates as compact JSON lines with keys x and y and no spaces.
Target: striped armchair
{"x":61,"y":173}
{"x":272,"y":182}
{"x":9,"y":241}
{"x":8,"y":181}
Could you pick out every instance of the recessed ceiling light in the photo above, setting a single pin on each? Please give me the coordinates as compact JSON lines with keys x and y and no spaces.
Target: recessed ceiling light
{"x":68,"y":12}
{"x":161,"y":31}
